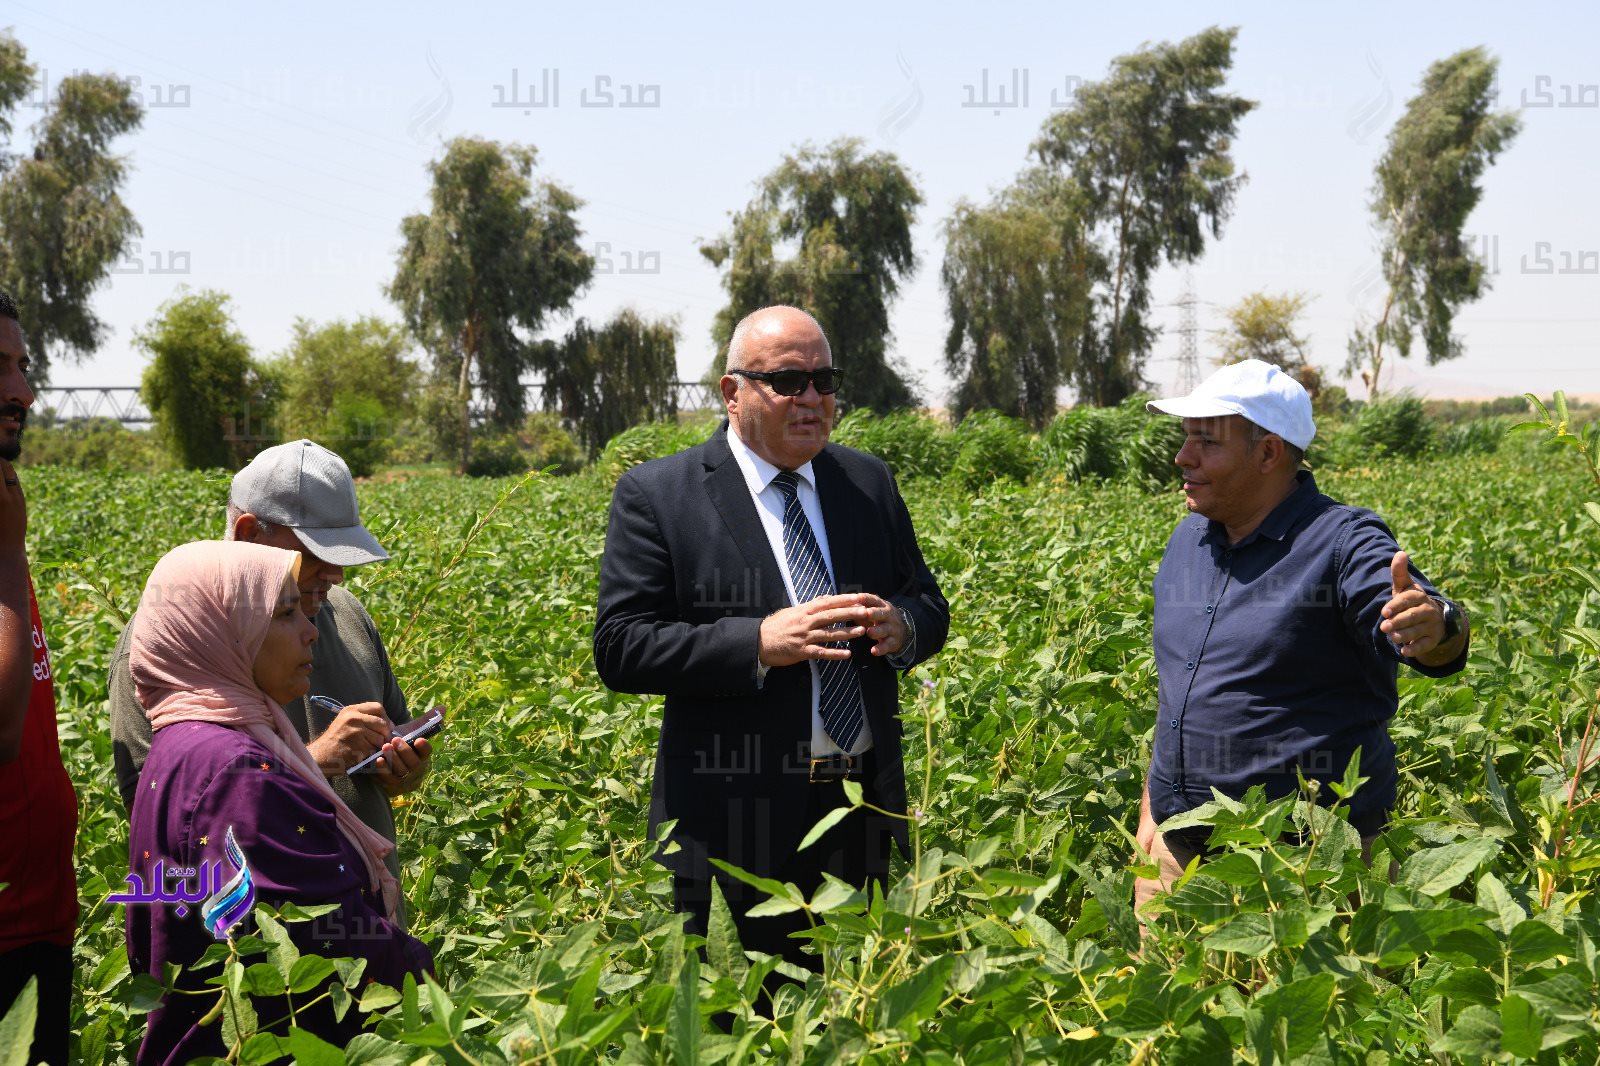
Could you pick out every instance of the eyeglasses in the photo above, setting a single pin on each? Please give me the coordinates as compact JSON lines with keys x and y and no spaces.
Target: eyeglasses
{"x":793,"y":382}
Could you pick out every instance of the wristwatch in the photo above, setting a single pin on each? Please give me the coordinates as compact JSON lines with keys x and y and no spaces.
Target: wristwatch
{"x":908,"y":648}
{"x":1452,"y":618}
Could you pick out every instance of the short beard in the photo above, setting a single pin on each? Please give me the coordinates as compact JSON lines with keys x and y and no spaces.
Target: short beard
{"x":9,"y":450}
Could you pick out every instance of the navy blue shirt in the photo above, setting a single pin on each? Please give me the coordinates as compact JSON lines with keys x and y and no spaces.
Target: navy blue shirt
{"x":1271,"y":659}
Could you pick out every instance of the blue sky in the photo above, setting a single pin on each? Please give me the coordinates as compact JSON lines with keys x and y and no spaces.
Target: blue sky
{"x":305,"y":130}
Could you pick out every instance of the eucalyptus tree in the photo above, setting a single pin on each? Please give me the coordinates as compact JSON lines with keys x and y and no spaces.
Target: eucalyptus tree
{"x":848,"y":215}
{"x":1016,"y":288}
{"x":481,"y":272}
{"x":1149,"y":151}
{"x":1428,"y":182}
{"x":63,"y":224}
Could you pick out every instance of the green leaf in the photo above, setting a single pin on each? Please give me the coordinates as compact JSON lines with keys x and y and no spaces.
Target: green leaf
{"x":308,"y":972}
{"x":1521,"y":1028}
{"x":832,"y":895}
{"x":1289,"y":1019}
{"x":777,"y":889}
{"x":444,"y":1008}
{"x":723,"y":950}
{"x":683,"y":1024}
{"x":1203,"y":1042}
{"x":262,"y":979}
{"x":238,"y":1020}
{"x":1494,"y":898}
{"x":913,"y":1001}
{"x":1560,"y":997}
{"x":1533,"y":941}
{"x":280,"y":949}
{"x":852,"y":792}
{"x":1477,"y":1033}
{"x":1247,"y":934}
{"x":377,"y":997}
{"x":1468,"y":985}
{"x":16,"y":1028}
{"x":263,"y":1048}
{"x":825,"y":823}
{"x":369,"y":1049}
{"x":1403,"y":935}
{"x":1440,"y":869}
{"x":309,"y":1049}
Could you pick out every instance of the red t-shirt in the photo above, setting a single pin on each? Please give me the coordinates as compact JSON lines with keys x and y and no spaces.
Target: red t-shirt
{"x":38,"y":821}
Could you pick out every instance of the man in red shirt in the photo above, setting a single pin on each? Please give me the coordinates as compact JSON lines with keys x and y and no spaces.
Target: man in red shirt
{"x":38,"y":808}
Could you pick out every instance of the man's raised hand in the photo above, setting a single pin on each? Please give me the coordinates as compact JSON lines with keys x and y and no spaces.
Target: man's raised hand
{"x":1412,"y":619}
{"x":806,"y":631}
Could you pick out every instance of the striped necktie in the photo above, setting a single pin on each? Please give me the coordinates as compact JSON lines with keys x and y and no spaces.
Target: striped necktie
{"x":841,"y":703}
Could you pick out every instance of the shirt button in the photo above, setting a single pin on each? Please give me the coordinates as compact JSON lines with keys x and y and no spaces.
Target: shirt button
{"x":1174,"y":723}
{"x":1174,"y":788}
{"x":1209,"y":608}
{"x":1188,"y":666}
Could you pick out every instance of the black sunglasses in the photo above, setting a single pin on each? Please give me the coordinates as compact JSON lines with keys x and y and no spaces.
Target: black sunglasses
{"x":793,"y":382}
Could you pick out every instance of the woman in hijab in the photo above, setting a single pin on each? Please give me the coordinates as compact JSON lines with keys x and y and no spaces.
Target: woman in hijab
{"x":219,"y":643}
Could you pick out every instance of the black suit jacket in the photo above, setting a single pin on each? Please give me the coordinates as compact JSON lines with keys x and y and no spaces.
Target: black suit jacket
{"x":688,"y":575}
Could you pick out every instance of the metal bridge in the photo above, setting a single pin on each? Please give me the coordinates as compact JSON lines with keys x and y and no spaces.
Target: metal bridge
{"x":57,"y":404}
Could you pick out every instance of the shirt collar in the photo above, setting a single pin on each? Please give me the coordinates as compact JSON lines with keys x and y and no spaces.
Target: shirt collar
{"x":758,"y":473}
{"x":1280,"y":520}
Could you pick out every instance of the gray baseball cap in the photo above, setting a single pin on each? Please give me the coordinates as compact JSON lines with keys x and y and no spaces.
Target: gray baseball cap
{"x":306,"y":487}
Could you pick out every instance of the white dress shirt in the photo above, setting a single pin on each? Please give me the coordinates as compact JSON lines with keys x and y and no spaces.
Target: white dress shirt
{"x":758,"y":475}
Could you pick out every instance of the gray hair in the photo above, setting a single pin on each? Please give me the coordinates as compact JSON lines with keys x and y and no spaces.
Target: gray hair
{"x":233,"y":513}
{"x":736,"y":356}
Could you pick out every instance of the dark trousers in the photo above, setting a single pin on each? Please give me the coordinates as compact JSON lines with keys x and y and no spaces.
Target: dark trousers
{"x":856,"y":851}
{"x":52,"y":965}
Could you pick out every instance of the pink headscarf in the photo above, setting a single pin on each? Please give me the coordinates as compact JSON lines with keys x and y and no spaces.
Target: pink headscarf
{"x":204,"y":616}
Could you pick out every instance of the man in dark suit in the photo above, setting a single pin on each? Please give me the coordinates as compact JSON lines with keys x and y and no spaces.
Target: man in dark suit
{"x":769,"y":584}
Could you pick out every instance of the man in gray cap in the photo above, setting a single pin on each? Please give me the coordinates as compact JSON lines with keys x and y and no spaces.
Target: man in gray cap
{"x":1281,"y":618}
{"x":300,"y":496}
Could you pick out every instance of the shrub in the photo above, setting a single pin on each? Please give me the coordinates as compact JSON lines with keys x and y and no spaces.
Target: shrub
{"x":97,"y":444}
{"x":1081,"y":443}
{"x":1147,"y":453}
{"x":358,"y":429}
{"x":991,"y":446}
{"x":496,"y":455}
{"x":549,"y":444}
{"x":913,"y":444}
{"x":1481,"y":436}
{"x":1394,"y":427}
{"x":649,"y":440}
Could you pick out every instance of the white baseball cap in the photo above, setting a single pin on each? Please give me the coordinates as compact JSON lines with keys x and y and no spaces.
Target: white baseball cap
{"x":1254,"y":389}
{"x":306,"y":487}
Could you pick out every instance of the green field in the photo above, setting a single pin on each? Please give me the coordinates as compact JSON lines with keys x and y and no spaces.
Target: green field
{"x":1009,"y":939}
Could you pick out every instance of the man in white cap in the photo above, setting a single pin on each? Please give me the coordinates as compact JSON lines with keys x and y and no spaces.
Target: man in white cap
{"x":1281,"y":617}
{"x":300,"y":496}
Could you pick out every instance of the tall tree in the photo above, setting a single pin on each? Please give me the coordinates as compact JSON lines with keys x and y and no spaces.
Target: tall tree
{"x":605,"y":380}
{"x":1427,"y":184}
{"x":63,"y":224}
{"x":1149,"y":149}
{"x":1264,"y":326}
{"x":480,"y":273}
{"x":203,"y":390}
{"x":1016,"y":286}
{"x":347,"y":384}
{"x":850,"y":215}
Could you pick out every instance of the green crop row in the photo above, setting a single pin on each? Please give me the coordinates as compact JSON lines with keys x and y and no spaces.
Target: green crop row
{"x":1007,"y":936}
